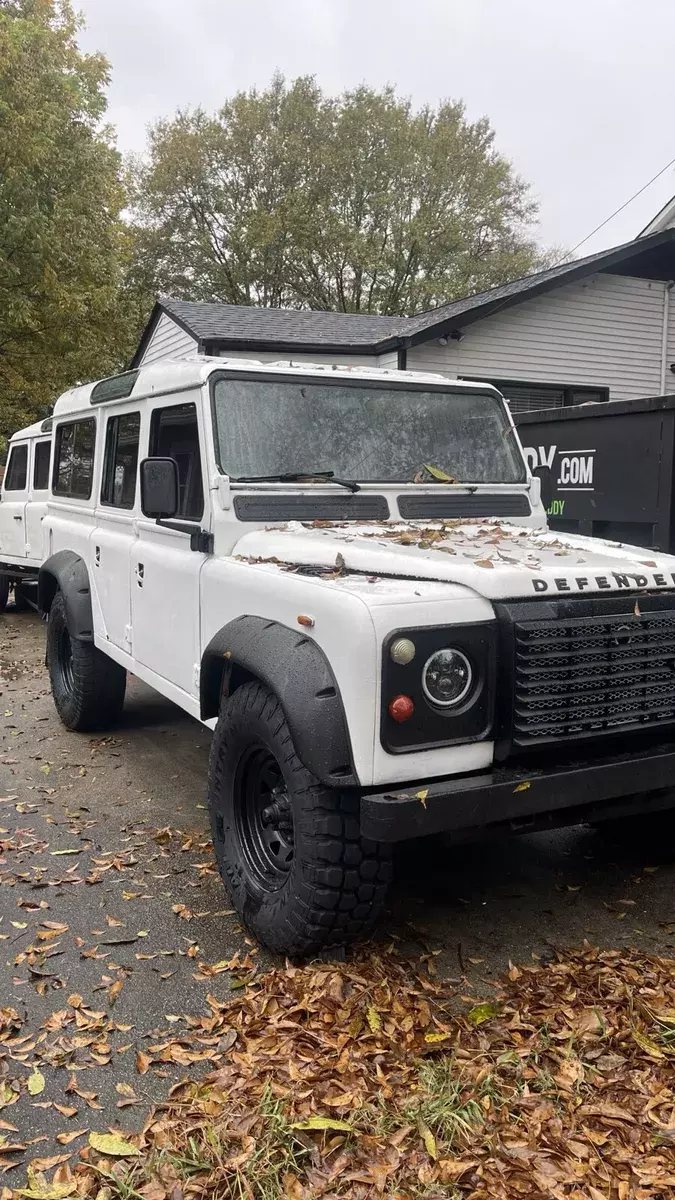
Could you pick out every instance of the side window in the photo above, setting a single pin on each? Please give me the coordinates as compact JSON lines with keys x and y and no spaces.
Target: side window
{"x":73,"y":472}
{"x":41,"y":466}
{"x":174,"y":434}
{"x":17,"y":469}
{"x":121,"y":460}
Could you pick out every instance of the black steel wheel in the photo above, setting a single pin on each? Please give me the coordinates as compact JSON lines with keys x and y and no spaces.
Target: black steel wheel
{"x":290,"y":850}
{"x":264,"y":816}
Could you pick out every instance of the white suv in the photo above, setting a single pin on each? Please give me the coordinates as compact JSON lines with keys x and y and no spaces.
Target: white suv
{"x":23,"y":504}
{"x":347,"y":575}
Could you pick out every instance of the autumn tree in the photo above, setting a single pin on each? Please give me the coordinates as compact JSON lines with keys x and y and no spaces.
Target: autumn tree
{"x":290,"y":197}
{"x":62,"y":243}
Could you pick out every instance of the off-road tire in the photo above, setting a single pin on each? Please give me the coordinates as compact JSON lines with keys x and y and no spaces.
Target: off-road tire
{"x":4,"y":592}
{"x":336,"y":884}
{"x":21,"y":604}
{"x":87,"y":686}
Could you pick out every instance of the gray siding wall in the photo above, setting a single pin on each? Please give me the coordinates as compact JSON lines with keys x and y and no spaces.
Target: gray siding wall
{"x":603,"y":332}
{"x":168,"y":341}
{"x":267,"y":356}
{"x":670,"y":344}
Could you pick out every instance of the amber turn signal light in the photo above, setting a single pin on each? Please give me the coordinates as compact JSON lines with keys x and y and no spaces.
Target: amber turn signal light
{"x":401,"y":708}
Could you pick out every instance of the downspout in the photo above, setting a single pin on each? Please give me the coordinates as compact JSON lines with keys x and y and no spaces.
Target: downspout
{"x":402,"y":358}
{"x":664,"y":334}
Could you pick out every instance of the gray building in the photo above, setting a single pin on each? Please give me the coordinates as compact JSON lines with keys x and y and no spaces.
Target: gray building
{"x":599,"y":328}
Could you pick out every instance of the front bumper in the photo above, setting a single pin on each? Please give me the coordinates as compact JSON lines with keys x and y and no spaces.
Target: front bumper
{"x":519,"y":799}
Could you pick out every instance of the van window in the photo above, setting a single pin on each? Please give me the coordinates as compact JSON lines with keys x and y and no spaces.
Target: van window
{"x":41,"y":466}
{"x":121,"y":460}
{"x":73,"y":472}
{"x":17,"y":468}
{"x":174,"y":434}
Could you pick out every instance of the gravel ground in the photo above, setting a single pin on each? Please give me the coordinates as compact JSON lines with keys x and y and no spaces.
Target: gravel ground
{"x":112,"y":917}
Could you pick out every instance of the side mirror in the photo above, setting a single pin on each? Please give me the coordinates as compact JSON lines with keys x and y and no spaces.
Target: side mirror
{"x":159,"y":487}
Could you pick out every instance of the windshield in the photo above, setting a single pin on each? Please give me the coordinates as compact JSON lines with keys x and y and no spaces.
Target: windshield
{"x":363,"y":432}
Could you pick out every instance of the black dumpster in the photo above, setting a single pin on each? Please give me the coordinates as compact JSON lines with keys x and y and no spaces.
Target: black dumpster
{"x":607,"y":469}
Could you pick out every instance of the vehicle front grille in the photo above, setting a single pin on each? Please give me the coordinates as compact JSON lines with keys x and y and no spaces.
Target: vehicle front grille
{"x":592,"y":675}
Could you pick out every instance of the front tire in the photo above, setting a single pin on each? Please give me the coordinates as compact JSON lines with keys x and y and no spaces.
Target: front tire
{"x":87,"y":686}
{"x":290,"y":851}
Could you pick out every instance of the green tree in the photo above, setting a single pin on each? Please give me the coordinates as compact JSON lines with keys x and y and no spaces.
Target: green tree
{"x":62,"y":243}
{"x":357,"y":202}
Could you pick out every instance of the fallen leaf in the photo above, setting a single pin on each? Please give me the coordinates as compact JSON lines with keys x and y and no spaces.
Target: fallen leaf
{"x":112,"y":1145}
{"x":36,"y":1083}
{"x":324,"y":1123}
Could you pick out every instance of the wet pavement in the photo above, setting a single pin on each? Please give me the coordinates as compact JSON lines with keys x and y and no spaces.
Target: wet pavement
{"x":116,"y":936}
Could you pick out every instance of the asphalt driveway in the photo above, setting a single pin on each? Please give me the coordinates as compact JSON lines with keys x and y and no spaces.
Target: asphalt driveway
{"x":118,"y":941}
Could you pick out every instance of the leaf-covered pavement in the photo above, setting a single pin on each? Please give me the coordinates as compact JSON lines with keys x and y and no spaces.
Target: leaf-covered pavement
{"x":119,"y":955}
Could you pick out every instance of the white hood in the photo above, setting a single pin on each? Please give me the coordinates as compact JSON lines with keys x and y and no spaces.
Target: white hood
{"x":493,"y":558}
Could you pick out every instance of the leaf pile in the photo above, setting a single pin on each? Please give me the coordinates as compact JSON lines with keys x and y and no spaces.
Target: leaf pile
{"x":368,"y":1079}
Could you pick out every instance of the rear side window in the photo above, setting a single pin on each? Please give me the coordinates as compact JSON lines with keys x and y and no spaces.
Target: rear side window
{"x":17,"y":469}
{"x":174,"y":434}
{"x":73,"y":472}
{"x":41,"y":466}
{"x":121,"y":460}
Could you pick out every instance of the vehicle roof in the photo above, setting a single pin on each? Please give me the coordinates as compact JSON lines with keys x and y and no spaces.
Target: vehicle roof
{"x":30,"y":431}
{"x":177,"y":374}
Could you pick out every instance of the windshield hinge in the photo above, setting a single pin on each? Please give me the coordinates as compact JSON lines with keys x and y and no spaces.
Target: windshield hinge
{"x":221,"y":485}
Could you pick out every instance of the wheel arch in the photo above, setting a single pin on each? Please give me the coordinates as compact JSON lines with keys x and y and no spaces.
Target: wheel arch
{"x":67,"y":572}
{"x":293,"y":667}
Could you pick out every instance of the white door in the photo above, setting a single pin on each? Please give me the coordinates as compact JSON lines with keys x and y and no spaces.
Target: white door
{"x":14,"y":500}
{"x":115,"y":530}
{"x":164,"y":569}
{"x":37,"y":504}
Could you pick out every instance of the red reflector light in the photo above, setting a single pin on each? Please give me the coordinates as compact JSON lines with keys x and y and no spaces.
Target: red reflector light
{"x":401,"y":708}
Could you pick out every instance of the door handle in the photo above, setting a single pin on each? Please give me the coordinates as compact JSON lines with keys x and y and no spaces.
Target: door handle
{"x":18,"y":517}
{"x":140,"y":572}
{"x":97,"y":555}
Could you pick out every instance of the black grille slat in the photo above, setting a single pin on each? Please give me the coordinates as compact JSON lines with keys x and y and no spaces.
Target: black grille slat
{"x":585,"y":676}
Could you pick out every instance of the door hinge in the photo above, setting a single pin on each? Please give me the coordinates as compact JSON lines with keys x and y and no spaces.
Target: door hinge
{"x":196,"y":672}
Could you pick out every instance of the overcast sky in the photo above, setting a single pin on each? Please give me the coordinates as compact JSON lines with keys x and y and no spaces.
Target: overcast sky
{"x":579,"y":92}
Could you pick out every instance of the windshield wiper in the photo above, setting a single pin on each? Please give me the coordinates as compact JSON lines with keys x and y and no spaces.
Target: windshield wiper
{"x":299,"y":477}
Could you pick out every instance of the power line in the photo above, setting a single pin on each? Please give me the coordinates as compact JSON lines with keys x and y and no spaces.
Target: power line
{"x":616,"y":212}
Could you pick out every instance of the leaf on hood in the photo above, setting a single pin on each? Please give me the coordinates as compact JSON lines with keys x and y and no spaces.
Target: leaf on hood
{"x":112,"y":1145}
{"x":436,"y":473}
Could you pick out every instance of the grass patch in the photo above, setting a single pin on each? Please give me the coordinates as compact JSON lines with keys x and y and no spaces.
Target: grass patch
{"x":361,"y":1079}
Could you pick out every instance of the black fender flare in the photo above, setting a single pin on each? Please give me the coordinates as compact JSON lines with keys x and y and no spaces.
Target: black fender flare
{"x":298,"y":672}
{"x":65,"y":571}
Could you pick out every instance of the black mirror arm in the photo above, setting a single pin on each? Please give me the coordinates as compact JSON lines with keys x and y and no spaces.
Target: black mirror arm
{"x":200,"y":539}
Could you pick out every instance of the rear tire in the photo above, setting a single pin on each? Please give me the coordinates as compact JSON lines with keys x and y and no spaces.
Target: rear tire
{"x":21,"y":603}
{"x":290,"y":850}
{"x":4,"y":592}
{"x":87,"y":686}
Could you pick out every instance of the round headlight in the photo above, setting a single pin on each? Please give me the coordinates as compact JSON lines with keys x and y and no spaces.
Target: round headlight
{"x":447,"y":677}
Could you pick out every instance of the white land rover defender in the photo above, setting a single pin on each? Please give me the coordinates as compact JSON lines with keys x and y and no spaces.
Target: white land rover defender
{"x":23,"y":504}
{"x":347,"y":575}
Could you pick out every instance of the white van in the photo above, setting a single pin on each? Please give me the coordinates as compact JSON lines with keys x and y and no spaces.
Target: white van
{"x":23,"y":504}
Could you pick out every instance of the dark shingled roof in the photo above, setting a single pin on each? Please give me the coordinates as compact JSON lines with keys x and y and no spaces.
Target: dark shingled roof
{"x":216,"y":322}
{"x":219,"y":327}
